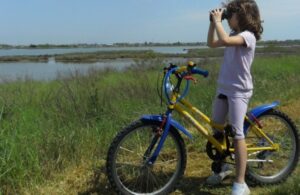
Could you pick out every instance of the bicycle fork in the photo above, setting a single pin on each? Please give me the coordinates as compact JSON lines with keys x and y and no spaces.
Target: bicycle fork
{"x":163,"y":135}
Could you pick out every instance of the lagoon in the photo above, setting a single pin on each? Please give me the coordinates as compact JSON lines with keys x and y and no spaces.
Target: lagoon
{"x":57,"y":51}
{"x":53,"y":70}
{"x":45,"y":71}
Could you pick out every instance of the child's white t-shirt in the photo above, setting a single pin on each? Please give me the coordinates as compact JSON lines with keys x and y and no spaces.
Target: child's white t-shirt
{"x":235,"y":78}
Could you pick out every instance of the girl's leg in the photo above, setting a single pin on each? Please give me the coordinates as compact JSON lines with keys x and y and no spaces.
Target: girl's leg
{"x":219,"y":115}
{"x":240,"y":159}
{"x":220,"y":110}
{"x":237,"y":112}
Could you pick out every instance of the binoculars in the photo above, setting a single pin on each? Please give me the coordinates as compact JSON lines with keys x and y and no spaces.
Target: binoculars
{"x":225,"y":15}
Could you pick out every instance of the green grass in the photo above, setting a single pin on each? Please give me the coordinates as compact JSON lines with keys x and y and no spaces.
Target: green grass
{"x":47,"y":126}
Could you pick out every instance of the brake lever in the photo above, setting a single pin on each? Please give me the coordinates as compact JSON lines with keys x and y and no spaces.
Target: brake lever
{"x":190,"y":77}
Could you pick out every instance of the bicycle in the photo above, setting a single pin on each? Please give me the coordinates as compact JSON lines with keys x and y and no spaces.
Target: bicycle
{"x":149,"y":155}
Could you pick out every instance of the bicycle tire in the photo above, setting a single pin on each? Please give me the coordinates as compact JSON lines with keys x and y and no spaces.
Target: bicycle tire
{"x":118,"y":181}
{"x":272,"y":122}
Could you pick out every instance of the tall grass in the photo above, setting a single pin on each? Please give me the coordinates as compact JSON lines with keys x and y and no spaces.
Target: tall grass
{"x":46,"y":126}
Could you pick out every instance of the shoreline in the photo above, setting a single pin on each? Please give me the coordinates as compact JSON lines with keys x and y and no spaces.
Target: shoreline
{"x":136,"y":44}
{"x":92,"y":57}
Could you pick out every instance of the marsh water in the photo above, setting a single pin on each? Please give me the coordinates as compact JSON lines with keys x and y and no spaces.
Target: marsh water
{"x":53,"y":51}
{"x":51,"y":70}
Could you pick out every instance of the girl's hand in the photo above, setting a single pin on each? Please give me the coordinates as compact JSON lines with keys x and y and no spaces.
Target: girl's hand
{"x":216,"y":15}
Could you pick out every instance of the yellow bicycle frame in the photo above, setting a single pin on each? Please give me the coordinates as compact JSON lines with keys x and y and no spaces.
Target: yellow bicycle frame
{"x":220,"y":146}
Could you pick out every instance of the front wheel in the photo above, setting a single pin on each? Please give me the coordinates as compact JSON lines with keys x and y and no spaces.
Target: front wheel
{"x":270,"y":167}
{"x":127,"y":170}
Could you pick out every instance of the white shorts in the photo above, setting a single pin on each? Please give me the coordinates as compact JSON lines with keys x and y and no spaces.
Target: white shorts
{"x":232,"y":108}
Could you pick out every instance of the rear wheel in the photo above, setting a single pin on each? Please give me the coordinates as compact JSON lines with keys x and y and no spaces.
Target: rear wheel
{"x":270,"y":167}
{"x":127,"y":169}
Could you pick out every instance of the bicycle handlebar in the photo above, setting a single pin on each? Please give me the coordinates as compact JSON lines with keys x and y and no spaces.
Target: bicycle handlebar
{"x":190,"y":70}
{"x":199,"y":71}
{"x":180,"y":73}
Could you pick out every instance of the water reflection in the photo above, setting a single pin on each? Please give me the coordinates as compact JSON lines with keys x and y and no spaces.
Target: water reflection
{"x":51,"y":69}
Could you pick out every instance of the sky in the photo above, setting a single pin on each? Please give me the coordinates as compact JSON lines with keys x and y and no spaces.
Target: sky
{"x":26,"y":22}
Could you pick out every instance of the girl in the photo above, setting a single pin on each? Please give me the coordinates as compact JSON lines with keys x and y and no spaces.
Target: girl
{"x":235,"y":81}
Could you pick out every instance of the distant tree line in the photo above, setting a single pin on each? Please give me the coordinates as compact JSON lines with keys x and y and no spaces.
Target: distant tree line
{"x":150,"y":44}
{"x":280,"y":43}
{"x":178,"y":43}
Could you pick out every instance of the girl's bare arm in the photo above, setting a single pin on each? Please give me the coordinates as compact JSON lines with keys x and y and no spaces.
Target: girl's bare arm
{"x":212,"y":40}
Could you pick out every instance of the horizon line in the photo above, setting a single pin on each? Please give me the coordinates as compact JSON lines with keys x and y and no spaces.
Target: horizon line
{"x":132,"y":43}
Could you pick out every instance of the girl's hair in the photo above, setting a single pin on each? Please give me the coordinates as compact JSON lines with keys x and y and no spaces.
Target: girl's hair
{"x":248,"y":16}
